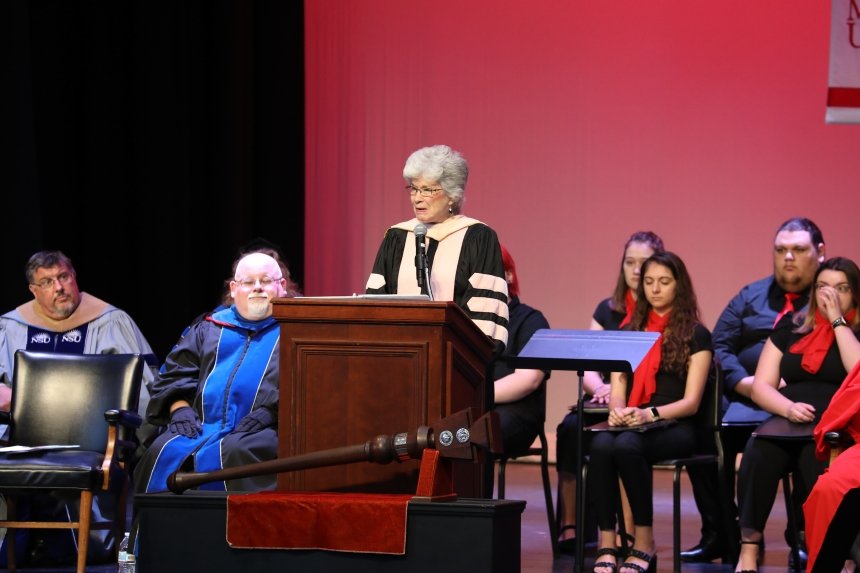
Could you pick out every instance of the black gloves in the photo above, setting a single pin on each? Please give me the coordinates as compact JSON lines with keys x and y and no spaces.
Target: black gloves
{"x":184,"y":421}
{"x":257,"y":420}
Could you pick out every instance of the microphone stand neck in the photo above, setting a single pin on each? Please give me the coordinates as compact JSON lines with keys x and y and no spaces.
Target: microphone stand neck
{"x":427,"y":277}
{"x":579,"y":566}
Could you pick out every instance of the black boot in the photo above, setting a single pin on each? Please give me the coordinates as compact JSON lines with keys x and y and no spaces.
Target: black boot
{"x":801,"y":550}
{"x":706,"y":492}
{"x":709,"y":548}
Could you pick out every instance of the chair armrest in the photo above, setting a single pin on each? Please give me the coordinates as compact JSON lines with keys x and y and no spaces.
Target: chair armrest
{"x":5,"y":418}
{"x":121,"y":442}
{"x":125,"y":418}
{"x":838,"y":442}
{"x":838,"y":439}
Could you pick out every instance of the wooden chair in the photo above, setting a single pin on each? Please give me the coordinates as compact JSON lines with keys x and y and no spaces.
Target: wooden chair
{"x":72,"y":417}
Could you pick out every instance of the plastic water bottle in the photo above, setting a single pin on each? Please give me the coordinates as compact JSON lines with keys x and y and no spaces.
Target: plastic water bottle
{"x":125,"y":562}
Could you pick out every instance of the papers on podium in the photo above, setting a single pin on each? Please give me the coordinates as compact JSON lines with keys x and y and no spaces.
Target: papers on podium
{"x":375,"y":297}
{"x":31,"y":449}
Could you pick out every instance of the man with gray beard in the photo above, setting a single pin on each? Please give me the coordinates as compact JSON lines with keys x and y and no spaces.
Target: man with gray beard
{"x":217,"y":392}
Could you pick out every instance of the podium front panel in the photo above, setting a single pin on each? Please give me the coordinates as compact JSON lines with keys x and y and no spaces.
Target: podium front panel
{"x":474,"y":535}
{"x":353,"y":370}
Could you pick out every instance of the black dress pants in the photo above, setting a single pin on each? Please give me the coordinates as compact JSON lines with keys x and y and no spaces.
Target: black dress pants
{"x":764,"y":463}
{"x":630,"y":455}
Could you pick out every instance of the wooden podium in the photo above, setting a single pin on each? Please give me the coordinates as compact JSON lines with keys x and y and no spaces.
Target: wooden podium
{"x":354,"y":368}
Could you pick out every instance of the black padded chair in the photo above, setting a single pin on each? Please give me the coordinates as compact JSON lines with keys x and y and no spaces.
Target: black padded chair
{"x":709,"y":452}
{"x":543,"y":452}
{"x":87,"y":402}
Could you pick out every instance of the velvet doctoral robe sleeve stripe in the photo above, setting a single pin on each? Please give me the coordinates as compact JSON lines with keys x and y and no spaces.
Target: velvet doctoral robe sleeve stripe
{"x":465,"y":267}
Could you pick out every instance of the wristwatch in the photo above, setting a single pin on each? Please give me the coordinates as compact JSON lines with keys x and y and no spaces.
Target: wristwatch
{"x":655,"y":415}
{"x":839,"y":322}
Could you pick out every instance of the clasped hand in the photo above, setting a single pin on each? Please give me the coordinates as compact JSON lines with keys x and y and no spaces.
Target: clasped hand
{"x":184,"y":421}
{"x":628,"y":416}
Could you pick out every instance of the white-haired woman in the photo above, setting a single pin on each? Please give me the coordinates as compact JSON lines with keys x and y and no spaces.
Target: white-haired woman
{"x":463,"y":255}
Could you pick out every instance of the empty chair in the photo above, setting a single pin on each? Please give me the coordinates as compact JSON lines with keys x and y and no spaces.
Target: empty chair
{"x":543,"y":452}
{"x":72,"y":416}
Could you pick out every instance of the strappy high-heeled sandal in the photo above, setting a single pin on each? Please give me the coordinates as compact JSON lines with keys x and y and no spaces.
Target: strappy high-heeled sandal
{"x":567,"y":546}
{"x":650,"y":559}
{"x":613,"y":567}
{"x":625,"y":542}
{"x":757,"y":559}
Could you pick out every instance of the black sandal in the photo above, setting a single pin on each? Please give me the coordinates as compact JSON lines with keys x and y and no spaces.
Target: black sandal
{"x":567,"y":546}
{"x":606,"y":551}
{"x":650,"y":559}
{"x":757,"y":559}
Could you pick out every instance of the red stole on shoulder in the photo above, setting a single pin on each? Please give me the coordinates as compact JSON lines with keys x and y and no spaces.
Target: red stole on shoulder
{"x":645,"y":377}
{"x":630,"y":306}
{"x":843,"y":413}
{"x":814,"y":345}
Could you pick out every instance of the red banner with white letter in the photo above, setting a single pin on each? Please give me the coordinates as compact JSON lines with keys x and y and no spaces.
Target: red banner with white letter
{"x":843,"y":93}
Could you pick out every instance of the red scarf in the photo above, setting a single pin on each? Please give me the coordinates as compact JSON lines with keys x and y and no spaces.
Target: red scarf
{"x":814,"y":346}
{"x":645,"y":377}
{"x":843,"y":413}
{"x":630,"y":305}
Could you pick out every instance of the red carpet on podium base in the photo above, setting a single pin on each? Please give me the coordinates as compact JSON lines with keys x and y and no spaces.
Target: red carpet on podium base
{"x":360,"y":523}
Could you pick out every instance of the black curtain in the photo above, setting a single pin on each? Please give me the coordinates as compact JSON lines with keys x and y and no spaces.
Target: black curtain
{"x":150,"y":141}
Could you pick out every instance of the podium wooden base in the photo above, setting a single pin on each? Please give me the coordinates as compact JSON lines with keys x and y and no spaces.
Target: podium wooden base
{"x":181,"y":533}
{"x":434,"y":479}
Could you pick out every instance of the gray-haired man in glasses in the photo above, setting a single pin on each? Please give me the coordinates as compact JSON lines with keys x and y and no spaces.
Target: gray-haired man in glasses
{"x":61,"y":318}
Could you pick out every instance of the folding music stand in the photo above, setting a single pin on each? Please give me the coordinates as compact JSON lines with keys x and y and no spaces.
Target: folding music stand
{"x":582,"y":350}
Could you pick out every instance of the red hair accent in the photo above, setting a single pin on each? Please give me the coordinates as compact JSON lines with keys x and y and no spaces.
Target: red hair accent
{"x":510,"y":267}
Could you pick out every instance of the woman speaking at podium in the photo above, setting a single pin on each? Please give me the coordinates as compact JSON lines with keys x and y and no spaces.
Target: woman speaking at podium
{"x":440,"y":252}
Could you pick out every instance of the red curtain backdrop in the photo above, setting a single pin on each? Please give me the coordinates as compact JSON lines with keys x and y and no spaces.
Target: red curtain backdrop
{"x":582,"y":122}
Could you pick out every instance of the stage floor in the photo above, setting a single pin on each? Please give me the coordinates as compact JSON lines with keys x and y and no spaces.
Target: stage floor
{"x":524,"y":483}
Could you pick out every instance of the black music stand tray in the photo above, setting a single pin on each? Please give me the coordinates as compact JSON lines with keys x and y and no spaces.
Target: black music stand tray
{"x":582,"y":350}
{"x":783,"y":429}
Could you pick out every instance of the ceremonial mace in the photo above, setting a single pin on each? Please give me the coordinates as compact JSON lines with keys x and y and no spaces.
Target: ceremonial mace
{"x":456,"y":437}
